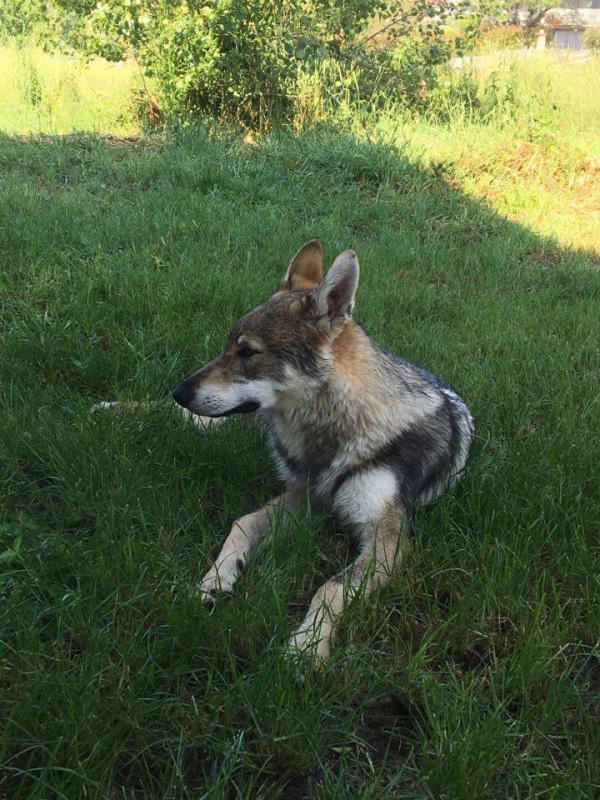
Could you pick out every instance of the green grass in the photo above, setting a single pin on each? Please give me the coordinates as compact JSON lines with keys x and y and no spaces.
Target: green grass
{"x":475,"y":674}
{"x":49,"y":93}
{"x":523,"y":136}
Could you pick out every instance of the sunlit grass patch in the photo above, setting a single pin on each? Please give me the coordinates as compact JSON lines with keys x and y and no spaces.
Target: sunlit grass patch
{"x":52,"y":93}
{"x":523,"y":136}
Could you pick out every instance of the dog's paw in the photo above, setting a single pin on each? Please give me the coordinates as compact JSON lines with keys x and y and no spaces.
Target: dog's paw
{"x":307,"y":645}
{"x":207,"y":598}
{"x":213,"y":584}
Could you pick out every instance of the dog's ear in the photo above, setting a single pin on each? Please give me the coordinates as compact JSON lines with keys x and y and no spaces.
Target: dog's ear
{"x":335,"y":295}
{"x":306,"y":268}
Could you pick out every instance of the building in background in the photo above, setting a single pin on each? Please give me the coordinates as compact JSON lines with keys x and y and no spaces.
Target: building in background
{"x":563,"y":28}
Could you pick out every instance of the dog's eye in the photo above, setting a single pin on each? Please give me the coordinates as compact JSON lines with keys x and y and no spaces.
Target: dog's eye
{"x":246,"y":352}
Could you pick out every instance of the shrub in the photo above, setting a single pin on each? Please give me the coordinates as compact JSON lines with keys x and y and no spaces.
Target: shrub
{"x":252,"y":61}
{"x":20,"y":18}
{"x":591,"y":39}
{"x":455,"y":97}
{"x":506,"y":37}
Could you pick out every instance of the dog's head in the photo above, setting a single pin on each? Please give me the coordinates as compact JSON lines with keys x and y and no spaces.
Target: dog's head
{"x":278,"y":353}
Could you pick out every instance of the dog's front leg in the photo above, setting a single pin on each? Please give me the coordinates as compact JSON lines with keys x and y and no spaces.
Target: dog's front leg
{"x":369,"y":504}
{"x":246,"y":534}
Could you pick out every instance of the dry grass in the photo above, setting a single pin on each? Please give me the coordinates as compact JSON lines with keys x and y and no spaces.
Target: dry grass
{"x":45,"y":93}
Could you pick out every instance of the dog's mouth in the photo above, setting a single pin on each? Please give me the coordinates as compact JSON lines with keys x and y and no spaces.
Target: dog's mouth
{"x":184,"y":396}
{"x":210,"y":403}
{"x":244,"y":408}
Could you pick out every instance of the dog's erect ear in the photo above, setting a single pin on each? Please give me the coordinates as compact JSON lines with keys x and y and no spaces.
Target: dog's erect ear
{"x":306,"y":268}
{"x":335,"y":295}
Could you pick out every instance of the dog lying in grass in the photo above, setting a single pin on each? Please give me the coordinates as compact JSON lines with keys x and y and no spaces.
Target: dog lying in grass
{"x":362,"y":432}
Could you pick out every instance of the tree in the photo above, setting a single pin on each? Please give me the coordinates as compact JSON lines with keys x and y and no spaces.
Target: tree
{"x":21,"y":18}
{"x":248,"y":59}
{"x":529,"y":14}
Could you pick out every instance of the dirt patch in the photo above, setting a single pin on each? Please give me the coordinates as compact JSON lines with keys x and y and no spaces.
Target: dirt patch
{"x":381,"y":747}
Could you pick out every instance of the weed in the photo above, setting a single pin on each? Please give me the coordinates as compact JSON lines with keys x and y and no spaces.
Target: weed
{"x":48,"y":93}
{"x":30,"y":83}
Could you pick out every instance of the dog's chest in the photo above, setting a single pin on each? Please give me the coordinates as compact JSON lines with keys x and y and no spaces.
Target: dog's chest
{"x":305,"y":449}
{"x":301,"y":452}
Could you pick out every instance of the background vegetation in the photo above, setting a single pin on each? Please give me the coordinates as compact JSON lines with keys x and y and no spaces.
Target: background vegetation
{"x":125,"y":260}
{"x":249,"y":62}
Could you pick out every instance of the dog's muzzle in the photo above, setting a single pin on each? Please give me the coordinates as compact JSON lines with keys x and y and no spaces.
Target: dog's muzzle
{"x":244,"y":408}
{"x":184,"y":395}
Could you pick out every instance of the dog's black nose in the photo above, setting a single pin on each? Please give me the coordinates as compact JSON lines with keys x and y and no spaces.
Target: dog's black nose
{"x":183,"y":394}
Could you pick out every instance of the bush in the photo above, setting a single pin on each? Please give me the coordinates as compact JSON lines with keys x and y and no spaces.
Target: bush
{"x":455,"y":97}
{"x":253,"y":62}
{"x":20,"y":18}
{"x":506,"y":37}
{"x":591,"y":39}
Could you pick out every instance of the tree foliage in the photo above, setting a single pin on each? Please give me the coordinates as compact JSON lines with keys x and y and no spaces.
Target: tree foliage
{"x":21,"y":18}
{"x":252,"y":59}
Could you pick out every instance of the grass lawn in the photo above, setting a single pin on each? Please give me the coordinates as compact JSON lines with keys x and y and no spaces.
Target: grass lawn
{"x":536,"y":157}
{"x":476,"y":674}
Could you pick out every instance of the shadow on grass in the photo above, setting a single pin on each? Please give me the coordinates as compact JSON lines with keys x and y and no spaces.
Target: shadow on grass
{"x":125,"y":264}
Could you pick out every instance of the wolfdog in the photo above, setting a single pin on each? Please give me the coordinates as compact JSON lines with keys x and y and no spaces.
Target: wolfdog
{"x":353,"y":428}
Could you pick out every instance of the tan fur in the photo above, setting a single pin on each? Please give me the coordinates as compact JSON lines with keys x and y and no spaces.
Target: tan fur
{"x":246,"y":534}
{"x":351,"y":363}
{"x":306,"y":268}
{"x":381,"y":555}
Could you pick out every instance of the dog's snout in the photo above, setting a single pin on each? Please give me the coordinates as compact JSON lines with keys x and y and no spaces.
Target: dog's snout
{"x":184,"y":393}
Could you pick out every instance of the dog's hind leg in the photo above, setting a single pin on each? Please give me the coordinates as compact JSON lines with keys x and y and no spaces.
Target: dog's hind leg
{"x":370,"y":505}
{"x":247,"y":533}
